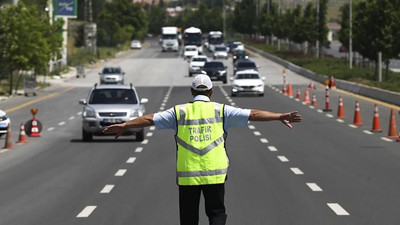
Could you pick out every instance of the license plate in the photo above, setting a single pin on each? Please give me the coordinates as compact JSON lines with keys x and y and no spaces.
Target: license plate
{"x":112,"y":120}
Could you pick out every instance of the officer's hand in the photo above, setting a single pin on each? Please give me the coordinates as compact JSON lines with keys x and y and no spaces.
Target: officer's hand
{"x":290,"y":117}
{"x":116,"y":129}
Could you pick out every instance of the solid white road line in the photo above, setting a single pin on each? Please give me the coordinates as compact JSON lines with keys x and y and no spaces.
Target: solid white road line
{"x":120,"y":173}
{"x":296,"y":171}
{"x":283,"y":158}
{"x":107,"y":189}
{"x":272,"y":148}
{"x":131,"y":160}
{"x":86,"y":211}
{"x":314,"y":187}
{"x":139,"y":149}
{"x":263,"y":140}
{"x":338,"y":209}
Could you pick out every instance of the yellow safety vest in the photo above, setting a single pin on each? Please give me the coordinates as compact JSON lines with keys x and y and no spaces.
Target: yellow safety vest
{"x":200,"y":140}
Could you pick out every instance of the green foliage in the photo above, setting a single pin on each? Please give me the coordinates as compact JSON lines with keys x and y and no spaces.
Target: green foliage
{"x":245,"y":17}
{"x":117,"y":18}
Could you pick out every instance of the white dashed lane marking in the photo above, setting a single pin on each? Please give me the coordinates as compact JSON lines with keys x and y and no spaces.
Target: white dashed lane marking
{"x":50,"y":128}
{"x":61,"y":123}
{"x":339,"y":210}
{"x":139,"y":149}
{"x":263,"y":140}
{"x":145,"y":141}
{"x":257,"y":133}
{"x":120,"y":173}
{"x":251,"y":127}
{"x":272,"y":148}
{"x":296,"y":171}
{"x":149,"y":134}
{"x":283,"y":158}
{"x":131,"y":160}
{"x":314,"y":187}
{"x":71,"y":117}
{"x":107,"y":189}
{"x":86,"y":211}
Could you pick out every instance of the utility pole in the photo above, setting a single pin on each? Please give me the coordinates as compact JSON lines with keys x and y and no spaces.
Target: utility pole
{"x":90,"y":28}
{"x":317,"y":43}
{"x":350,"y":35}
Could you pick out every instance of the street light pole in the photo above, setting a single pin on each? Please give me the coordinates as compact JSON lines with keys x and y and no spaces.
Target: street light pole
{"x":350,"y":34}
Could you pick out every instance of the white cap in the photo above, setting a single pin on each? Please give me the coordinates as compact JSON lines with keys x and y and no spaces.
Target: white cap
{"x":202,"y":82}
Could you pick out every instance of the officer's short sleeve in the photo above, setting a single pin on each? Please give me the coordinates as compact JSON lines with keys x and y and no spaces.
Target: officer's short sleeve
{"x":165,"y":119}
{"x":235,"y":117}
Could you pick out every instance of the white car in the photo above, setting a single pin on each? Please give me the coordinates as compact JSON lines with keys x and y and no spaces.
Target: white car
{"x":220,"y":51}
{"x":190,"y":51}
{"x":4,"y":122}
{"x":249,"y":82}
{"x":135,"y":44}
{"x":196,"y":64}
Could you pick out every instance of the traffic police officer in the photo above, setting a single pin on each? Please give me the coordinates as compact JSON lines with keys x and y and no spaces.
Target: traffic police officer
{"x":202,"y":164}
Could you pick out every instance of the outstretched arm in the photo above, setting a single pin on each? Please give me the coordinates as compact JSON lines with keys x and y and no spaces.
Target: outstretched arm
{"x":118,"y":129}
{"x":285,"y":118}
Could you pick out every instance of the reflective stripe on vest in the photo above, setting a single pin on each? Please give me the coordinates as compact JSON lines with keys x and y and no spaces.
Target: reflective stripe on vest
{"x":201,"y":156}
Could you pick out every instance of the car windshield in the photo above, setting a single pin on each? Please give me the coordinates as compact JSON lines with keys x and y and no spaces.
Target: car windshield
{"x":220,"y":49}
{"x":246,"y":64}
{"x":213,"y":65}
{"x":111,"y":70}
{"x":199,"y":59}
{"x":190,"y":49}
{"x":247,"y":76}
{"x":239,"y":53}
{"x":113,"y":96}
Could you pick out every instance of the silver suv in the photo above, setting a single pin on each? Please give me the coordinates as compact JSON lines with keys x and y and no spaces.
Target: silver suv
{"x":112,"y":75}
{"x":111,"y":104}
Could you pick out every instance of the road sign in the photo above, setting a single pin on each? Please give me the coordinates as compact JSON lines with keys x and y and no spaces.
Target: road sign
{"x":66,"y":8}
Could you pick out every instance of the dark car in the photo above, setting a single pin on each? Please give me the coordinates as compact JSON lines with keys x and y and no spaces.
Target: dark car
{"x":216,"y":70}
{"x":244,"y":64}
{"x":239,"y":54}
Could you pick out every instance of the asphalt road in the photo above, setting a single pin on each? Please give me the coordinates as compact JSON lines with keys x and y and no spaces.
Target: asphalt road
{"x":324,"y":171}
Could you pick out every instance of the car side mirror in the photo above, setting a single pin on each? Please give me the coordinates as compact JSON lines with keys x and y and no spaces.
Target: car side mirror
{"x":82,"y":101}
{"x":144,"y":101}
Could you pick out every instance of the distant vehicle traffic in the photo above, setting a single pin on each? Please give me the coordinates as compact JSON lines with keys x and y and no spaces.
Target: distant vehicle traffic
{"x":248,"y":82}
{"x":169,"y":39}
{"x":220,"y":51}
{"x":193,"y":36}
{"x":112,"y":75}
{"x":189,"y":51}
{"x":4,"y":122}
{"x":236,"y":45}
{"x":239,"y":54}
{"x":214,"y":38}
{"x":111,"y":104}
{"x":196,"y":64}
{"x":216,"y":70}
{"x":244,"y":64}
{"x":135,"y":44}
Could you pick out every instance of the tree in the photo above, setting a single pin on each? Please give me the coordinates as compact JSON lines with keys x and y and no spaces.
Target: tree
{"x":245,"y":17}
{"x":376,"y":29}
{"x":20,"y":51}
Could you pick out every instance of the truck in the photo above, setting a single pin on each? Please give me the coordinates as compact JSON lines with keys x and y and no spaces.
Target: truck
{"x":169,"y":39}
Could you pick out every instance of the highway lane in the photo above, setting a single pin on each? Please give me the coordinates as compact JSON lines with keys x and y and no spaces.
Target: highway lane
{"x":275,"y":173}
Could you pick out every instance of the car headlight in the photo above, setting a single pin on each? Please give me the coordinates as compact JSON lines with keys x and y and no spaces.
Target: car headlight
{"x":236,"y":86}
{"x":136,"y":113}
{"x":222,"y":72}
{"x":260,"y":85}
{"x":89,"y":112}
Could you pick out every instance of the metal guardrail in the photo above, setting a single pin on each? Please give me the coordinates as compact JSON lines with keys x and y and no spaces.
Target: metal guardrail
{"x":372,"y":92}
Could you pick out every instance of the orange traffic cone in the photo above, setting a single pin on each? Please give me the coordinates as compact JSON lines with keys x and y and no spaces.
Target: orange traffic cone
{"x":357,"y":115}
{"x":298,"y":95}
{"x":290,"y":91}
{"x":392,"y":126}
{"x":340,"y":112}
{"x":8,"y":143}
{"x":22,"y":135}
{"x":306,"y":97}
{"x":376,"y":125}
{"x":314,"y":100}
{"x":332,"y":82}
{"x":35,"y":128}
{"x":312,"y":86}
